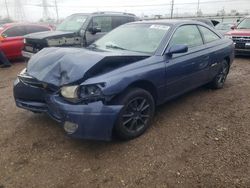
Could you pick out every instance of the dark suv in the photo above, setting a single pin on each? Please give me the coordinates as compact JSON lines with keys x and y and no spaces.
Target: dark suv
{"x":77,"y":30}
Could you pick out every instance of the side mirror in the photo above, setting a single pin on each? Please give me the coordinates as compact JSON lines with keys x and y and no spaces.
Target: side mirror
{"x":177,"y":49}
{"x":94,"y":30}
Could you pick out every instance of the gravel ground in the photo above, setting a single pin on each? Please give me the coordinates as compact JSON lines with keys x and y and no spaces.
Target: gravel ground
{"x":201,"y":139}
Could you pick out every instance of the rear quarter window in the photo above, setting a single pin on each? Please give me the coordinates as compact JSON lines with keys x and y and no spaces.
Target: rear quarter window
{"x":208,"y":35}
{"x":188,"y":35}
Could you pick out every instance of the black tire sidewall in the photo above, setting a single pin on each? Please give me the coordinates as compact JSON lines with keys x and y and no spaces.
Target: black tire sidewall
{"x":124,"y":99}
{"x":216,"y":84}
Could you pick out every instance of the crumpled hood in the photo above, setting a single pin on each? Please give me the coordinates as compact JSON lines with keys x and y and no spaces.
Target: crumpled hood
{"x":49,"y":34}
{"x":62,"y":66}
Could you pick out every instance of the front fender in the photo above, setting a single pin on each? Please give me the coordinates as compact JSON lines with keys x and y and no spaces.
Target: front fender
{"x":155,"y":73}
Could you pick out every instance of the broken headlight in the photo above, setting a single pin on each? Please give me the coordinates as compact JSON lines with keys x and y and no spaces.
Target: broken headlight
{"x":85,"y":93}
{"x":69,"y":92}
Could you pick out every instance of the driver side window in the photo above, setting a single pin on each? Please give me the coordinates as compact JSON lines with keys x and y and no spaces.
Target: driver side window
{"x":188,"y":35}
{"x":102,"y":22}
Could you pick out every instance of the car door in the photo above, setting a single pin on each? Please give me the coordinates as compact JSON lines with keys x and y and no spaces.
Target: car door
{"x":188,"y":70}
{"x":13,"y":41}
{"x":104,"y":23}
{"x":215,"y":49}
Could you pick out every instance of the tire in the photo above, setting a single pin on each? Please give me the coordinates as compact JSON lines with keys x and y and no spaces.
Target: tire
{"x":136,"y":115}
{"x":220,"y":78}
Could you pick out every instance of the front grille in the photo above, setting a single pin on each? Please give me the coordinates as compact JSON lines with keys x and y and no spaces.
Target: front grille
{"x":242,"y":42}
{"x":241,"y":39}
{"x":26,"y":79}
{"x":34,"y":45}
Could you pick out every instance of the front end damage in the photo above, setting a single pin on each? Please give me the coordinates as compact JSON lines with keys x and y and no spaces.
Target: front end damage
{"x":94,"y":120}
{"x":39,"y":89}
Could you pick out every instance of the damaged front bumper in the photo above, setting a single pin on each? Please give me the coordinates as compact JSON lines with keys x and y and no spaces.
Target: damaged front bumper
{"x":88,"y":121}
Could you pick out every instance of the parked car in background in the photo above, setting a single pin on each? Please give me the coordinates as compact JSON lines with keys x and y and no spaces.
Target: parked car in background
{"x":11,"y":37}
{"x":224,"y":27}
{"x":211,"y":23}
{"x":77,"y":30}
{"x":241,"y":36}
{"x":115,"y":84}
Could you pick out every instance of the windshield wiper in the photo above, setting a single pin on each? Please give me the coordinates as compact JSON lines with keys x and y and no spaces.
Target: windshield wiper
{"x":114,"y":47}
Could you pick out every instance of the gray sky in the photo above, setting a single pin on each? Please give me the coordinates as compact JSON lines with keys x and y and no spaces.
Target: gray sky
{"x":32,"y":10}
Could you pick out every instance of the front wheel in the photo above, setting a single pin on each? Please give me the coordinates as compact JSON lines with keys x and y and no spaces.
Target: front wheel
{"x":220,"y":79}
{"x":136,"y":115}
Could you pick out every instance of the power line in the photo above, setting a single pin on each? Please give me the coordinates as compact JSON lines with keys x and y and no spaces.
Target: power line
{"x":142,"y":5}
{"x":153,"y":5}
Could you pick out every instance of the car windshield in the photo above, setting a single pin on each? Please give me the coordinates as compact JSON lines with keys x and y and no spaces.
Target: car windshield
{"x":245,"y":24}
{"x":144,"y":38}
{"x":72,"y":23}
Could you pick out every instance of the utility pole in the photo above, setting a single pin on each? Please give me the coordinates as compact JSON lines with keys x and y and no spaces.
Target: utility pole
{"x":57,"y":15}
{"x":172,"y":9}
{"x":198,"y":8}
{"x":6,"y":5}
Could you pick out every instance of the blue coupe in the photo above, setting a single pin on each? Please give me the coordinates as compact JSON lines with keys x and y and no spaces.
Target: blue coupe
{"x":113,"y":86}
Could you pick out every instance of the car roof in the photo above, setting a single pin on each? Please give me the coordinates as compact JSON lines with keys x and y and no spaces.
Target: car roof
{"x":7,"y":25}
{"x":169,"y":22}
{"x":105,"y":13}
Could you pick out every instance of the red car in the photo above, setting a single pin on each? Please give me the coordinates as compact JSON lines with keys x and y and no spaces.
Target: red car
{"x":11,"y":37}
{"x":241,"y":36}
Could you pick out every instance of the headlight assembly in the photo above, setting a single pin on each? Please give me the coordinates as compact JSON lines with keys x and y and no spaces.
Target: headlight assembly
{"x":69,"y":92}
{"x":82,"y":93}
{"x":86,"y":92}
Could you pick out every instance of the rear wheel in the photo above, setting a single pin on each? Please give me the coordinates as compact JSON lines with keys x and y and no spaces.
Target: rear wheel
{"x":220,"y":79}
{"x":136,"y":115}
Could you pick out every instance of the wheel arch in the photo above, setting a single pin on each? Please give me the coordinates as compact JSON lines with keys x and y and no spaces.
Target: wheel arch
{"x":143,"y":84}
{"x":146,"y":85}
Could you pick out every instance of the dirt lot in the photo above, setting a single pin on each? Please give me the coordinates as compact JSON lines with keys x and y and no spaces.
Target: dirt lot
{"x":201,"y":139}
